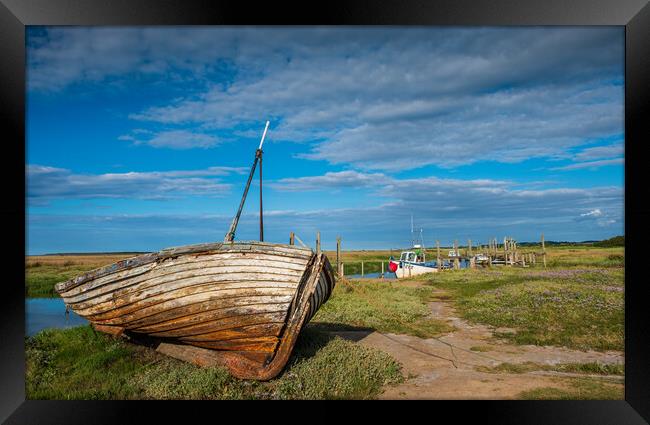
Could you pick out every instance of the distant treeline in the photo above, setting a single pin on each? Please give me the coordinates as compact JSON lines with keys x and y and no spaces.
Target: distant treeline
{"x":615,"y":241}
{"x":607,"y":243}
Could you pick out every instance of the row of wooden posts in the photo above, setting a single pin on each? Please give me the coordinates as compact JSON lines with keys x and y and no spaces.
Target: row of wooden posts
{"x":508,"y":254}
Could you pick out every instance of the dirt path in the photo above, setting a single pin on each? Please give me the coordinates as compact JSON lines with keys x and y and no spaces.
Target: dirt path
{"x":445,"y":367}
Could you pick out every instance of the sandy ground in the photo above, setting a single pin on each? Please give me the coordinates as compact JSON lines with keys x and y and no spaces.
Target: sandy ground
{"x":445,"y":367}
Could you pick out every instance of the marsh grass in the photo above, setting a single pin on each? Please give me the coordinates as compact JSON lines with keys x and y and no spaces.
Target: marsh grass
{"x":44,"y":271}
{"x":581,"y":308}
{"x":591,"y":368}
{"x":577,"y":389}
{"x":40,"y":280}
{"x":382,"y":306}
{"x":78,"y":363}
{"x":480,"y":348}
{"x":340,"y":369}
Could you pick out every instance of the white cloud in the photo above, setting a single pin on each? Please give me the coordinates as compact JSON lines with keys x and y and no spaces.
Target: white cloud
{"x":471,"y":205}
{"x":175,"y":139}
{"x":45,"y":184}
{"x":592,"y":213}
{"x":373,"y":98}
{"x":591,"y":164}
{"x":331,"y":180}
{"x":600,"y":152}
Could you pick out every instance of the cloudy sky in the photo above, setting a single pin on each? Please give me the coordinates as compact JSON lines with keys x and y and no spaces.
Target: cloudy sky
{"x":142,"y":138}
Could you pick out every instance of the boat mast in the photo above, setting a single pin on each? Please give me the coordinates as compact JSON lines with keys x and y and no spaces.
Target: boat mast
{"x":259,"y":150}
{"x":423,"y":248}
{"x":230,"y":236}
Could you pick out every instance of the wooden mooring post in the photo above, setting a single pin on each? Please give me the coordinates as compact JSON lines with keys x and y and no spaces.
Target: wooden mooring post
{"x":318,"y":242}
{"x":382,"y":269}
{"x":543,"y":251}
{"x":338,"y":255}
{"x":292,"y":238}
{"x":515,"y":252}
{"x":362,"y":269}
{"x":438,"y":256}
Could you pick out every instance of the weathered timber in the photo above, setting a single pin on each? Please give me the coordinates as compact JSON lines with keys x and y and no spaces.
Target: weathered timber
{"x":247,"y":301}
{"x":111,"y":330}
{"x":338,"y":255}
{"x":208,"y":358}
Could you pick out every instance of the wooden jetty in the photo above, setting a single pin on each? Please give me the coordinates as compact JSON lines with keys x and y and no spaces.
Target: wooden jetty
{"x":246,"y":302}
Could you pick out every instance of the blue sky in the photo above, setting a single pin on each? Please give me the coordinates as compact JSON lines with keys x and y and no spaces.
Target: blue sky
{"x":140,"y":138}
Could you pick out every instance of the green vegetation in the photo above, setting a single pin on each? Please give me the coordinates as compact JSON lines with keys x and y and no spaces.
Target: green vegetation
{"x":42,"y":272}
{"x":40,"y":278}
{"x":576,"y":308}
{"x":577,"y":389}
{"x":381,"y":305}
{"x":586,"y":257}
{"x":78,"y":363}
{"x":480,"y":348}
{"x":592,"y":368}
{"x":577,"y":302}
{"x":615,"y":241}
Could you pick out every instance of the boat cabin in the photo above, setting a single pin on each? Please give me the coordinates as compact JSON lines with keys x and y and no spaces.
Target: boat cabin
{"x":412,"y":257}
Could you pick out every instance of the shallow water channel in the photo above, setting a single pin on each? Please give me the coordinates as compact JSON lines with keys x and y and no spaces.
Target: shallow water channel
{"x":42,"y":313}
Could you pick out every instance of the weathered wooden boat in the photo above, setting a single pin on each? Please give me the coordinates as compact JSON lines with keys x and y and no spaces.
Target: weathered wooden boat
{"x":248,"y":300}
{"x":245,"y":301}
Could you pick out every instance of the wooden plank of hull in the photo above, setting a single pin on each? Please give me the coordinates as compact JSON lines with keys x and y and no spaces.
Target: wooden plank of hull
{"x":111,"y":330}
{"x":210,"y":316}
{"x":176,"y":328}
{"x":118,"y":281}
{"x":265,"y":344}
{"x":206,"y":357}
{"x":112,"y":271}
{"x":189,"y":296}
{"x":178,"y":288}
{"x":240,"y":333}
{"x":160,"y":275}
{"x":175,"y":308}
{"x":196,"y":313}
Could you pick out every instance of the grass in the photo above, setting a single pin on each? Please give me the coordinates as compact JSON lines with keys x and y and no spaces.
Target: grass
{"x":591,"y":368}
{"x":80,"y":364}
{"x":480,"y":348}
{"x":44,"y":271}
{"x":383,"y":306}
{"x":580,"y":308}
{"x":576,"y":302}
{"x":577,"y":389}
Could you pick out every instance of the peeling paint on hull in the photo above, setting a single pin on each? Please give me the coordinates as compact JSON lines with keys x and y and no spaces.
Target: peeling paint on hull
{"x":247,"y":301}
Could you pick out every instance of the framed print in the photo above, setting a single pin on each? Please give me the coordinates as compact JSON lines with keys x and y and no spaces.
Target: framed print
{"x":400,"y":201}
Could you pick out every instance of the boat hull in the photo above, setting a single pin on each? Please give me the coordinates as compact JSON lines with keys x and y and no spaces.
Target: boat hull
{"x":245,"y":300}
{"x":409,"y":269}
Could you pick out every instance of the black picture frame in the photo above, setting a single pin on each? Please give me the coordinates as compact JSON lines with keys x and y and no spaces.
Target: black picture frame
{"x":16,"y":14}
